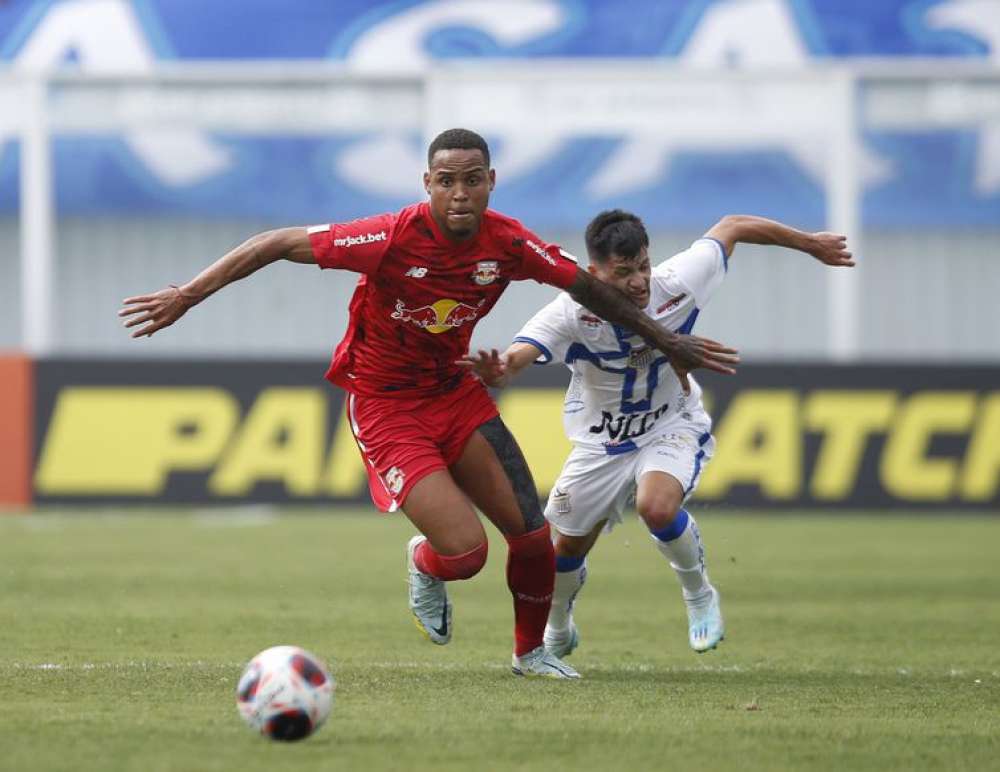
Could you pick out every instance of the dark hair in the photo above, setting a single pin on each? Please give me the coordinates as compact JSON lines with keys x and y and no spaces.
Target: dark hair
{"x":458,"y":139}
{"x":615,"y":232}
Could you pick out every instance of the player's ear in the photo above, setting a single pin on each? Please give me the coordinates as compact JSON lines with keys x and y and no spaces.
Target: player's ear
{"x":592,"y":268}
{"x":427,"y":182}
{"x":493,"y":178}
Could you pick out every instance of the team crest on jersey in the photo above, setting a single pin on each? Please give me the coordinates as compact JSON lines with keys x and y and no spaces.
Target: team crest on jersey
{"x":440,"y":316}
{"x":590,"y":321}
{"x":394,"y":480}
{"x":487,"y":272}
{"x":560,"y":501}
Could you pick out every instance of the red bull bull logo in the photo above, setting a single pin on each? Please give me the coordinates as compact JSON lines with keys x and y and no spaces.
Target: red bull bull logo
{"x":487,"y":272}
{"x":439,"y":316}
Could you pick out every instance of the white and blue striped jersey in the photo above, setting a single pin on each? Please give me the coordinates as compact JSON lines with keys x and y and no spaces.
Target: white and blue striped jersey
{"x":622,"y":389}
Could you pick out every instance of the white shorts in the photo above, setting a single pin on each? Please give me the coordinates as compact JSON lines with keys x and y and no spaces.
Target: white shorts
{"x":594,"y":486}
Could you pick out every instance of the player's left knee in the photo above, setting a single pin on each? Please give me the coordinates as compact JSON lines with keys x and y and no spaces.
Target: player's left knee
{"x":658,"y":512}
{"x":468,"y":564}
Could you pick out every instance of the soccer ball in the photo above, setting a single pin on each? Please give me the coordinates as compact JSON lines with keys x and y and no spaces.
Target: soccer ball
{"x":285,"y":693}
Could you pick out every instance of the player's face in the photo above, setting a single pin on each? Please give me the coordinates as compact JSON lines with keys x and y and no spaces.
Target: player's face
{"x":459,"y":184}
{"x":630,"y":275}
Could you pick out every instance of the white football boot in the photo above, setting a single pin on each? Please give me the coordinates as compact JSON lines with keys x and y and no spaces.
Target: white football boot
{"x":539,"y":663}
{"x":705,"y":625}
{"x":561,"y":643}
{"x":429,"y":602}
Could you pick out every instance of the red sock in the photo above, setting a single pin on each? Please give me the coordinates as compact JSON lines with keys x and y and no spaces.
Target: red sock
{"x":450,"y":567}
{"x":531,"y":576}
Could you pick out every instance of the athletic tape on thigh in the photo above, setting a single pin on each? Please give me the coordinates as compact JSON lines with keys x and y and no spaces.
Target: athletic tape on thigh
{"x":516,"y":468}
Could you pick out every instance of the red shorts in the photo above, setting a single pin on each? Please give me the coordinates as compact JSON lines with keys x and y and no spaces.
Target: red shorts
{"x":404,"y":440}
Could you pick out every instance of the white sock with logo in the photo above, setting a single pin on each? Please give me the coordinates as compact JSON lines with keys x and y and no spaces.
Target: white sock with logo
{"x":680,"y":543}
{"x":571,"y":573}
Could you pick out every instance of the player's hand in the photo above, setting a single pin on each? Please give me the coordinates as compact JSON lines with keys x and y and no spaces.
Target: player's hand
{"x":487,"y":365}
{"x":831,"y":249}
{"x":691,"y":352}
{"x":155,"y":311}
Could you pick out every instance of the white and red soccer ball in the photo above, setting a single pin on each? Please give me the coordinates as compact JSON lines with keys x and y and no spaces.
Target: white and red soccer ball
{"x":285,"y":693}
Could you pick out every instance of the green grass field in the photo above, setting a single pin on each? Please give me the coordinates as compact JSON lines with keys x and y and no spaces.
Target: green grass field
{"x":853,"y":643}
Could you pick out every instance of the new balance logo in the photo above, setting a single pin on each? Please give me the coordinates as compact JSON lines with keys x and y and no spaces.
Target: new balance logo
{"x":416,"y":271}
{"x":353,"y":241}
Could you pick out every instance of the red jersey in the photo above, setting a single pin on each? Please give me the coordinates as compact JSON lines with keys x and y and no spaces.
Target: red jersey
{"x":421,"y":294}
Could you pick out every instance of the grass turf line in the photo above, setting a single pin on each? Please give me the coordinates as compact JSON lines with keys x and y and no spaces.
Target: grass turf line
{"x":853,"y":643}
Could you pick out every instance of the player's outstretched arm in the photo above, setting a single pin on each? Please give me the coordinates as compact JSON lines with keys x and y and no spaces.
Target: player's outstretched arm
{"x":828,"y":248}
{"x":164,"y":307}
{"x":686,"y":352}
{"x":497,"y":370}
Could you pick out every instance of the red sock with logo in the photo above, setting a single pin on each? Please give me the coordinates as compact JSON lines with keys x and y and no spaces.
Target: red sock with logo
{"x":450,"y":567}
{"x":531,"y":576}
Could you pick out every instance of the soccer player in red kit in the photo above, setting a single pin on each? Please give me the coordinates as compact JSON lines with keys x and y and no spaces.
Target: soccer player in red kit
{"x":428,"y":431}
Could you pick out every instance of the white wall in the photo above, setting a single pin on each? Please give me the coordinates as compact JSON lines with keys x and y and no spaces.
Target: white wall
{"x":925,"y":296}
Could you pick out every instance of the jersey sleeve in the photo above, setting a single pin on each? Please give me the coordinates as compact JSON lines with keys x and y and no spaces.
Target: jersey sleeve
{"x":550,"y":331}
{"x":545,"y":263}
{"x":700,"y":268}
{"x":358,"y":245}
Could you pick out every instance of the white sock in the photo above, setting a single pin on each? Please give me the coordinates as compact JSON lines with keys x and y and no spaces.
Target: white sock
{"x":568,"y":584}
{"x":687,"y":557}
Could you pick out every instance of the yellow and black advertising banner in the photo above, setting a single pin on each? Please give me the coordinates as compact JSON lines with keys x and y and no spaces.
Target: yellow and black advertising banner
{"x":271,"y":431}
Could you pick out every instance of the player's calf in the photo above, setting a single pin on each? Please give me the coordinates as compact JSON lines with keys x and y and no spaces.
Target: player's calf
{"x":530,"y":577}
{"x":680,"y":542}
{"x":561,"y":634}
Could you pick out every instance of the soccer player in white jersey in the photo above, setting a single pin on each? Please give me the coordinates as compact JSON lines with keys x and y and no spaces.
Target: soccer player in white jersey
{"x":637,"y":428}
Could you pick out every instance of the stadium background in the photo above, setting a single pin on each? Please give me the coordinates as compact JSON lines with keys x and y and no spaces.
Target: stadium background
{"x":140,"y":140}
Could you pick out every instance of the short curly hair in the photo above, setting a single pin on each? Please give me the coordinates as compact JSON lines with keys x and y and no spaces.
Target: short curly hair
{"x":458,"y":139}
